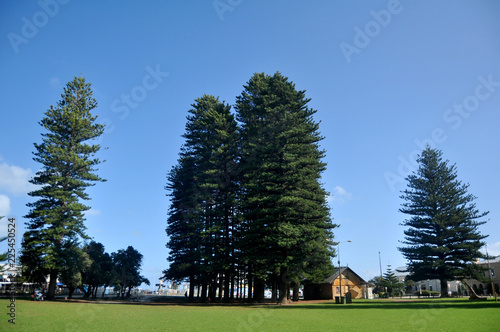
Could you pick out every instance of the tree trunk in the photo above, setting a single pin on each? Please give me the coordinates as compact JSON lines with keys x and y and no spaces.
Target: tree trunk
{"x":227,"y":285}
{"x":51,"y":292}
{"x":238,"y":286}
{"x":258,"y":291}
{"x":104,"y":291}
{"x":232,"y":285}
{"x":296,"y":287}
{"x":282,"y":292}
{"x":71,"y":290}
{"x":204,"y":292}
{"x":274,"y":296}
{"x":218,"y":286}
{"x":444,"y":288}
{"x":250,"y":286}
{"x":191,"y":288}
{"x":211,"y":291}
{"x":86,"y":292}
{"x":284,"y":287}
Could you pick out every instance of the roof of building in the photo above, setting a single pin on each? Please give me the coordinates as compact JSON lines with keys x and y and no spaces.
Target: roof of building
{"x":494,"y":260}
{"x":401,"y":271}
{"x":343,"y":270}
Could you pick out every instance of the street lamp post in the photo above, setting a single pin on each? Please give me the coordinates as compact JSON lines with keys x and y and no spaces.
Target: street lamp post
{"x":340,"y":268}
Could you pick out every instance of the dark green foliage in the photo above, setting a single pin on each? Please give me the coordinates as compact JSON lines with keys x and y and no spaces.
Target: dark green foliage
{"x":183,"y":229}
{"x":378,"y":281}
{"x":127,"y":264}
{"x":392,"y":283}
{"x":76,"y":262}
{"x":247,"y":203}
{"x":286,"y":219}
{"x":100,"y":271}
{"x":66,"y":155}
{"x":442,"y":239}
{"x":387,"y":285}
{"x":203,"y":194}
{"x":425,"y":292}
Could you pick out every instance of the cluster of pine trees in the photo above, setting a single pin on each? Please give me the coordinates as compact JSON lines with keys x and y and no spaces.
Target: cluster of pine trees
{"x":248,"y":210}
{"x":247,"y":206}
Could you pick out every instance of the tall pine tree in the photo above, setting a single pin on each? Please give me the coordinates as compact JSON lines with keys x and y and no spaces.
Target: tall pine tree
{"x":203,"y":190}
{"x":67,"y":158}
{"x":442,"y":239}
{"x":183,"y":225}
{"x":287,"y":226}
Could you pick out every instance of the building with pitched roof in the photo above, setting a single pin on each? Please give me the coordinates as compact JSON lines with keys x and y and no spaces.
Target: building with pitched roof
{"x":344,"y":282}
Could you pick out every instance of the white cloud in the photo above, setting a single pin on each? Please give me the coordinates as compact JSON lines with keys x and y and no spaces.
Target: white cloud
{"x":93,"y":212}
{"x":4,"y":205}
{"x":14,"y":179}
{"x":339,"y":195}
{"x":4,"y":212}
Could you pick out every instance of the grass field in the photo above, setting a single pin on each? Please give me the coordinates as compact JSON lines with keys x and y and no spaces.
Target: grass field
{"x":362,"y":315}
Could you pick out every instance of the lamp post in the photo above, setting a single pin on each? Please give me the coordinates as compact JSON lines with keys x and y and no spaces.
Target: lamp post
{"x":340,"y":268}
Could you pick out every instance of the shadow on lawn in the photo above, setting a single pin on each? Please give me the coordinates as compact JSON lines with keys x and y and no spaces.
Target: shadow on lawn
{"x":386,"y":305}
{"x":326,"y":305}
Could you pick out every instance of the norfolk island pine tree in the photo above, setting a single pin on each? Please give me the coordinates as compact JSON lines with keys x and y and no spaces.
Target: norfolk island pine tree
{"x":442,"y":239}
{"x":67,"y":155}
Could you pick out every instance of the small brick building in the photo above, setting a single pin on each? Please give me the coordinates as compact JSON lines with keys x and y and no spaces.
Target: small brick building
{"x":330,"y":288}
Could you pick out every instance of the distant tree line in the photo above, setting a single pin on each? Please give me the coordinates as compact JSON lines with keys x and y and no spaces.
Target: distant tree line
{"x":89,"y":267}
{"x":120,"y":270}
{"x":248,"y":210}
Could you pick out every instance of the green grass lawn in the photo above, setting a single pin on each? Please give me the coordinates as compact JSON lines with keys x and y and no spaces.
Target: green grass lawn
{"x":363,"y":315}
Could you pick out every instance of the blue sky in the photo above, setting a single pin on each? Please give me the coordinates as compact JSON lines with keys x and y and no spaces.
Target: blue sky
{"x":386,"y":77}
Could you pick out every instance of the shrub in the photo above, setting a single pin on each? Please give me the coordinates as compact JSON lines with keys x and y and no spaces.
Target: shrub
{"x":426,"y":293}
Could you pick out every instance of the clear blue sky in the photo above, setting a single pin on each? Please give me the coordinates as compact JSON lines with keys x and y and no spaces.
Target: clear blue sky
{"x":385,"y":76}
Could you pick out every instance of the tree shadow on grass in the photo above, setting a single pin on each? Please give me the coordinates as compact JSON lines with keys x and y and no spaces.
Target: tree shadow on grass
{"x":313,"y":305}
{"x":397,"y":305}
